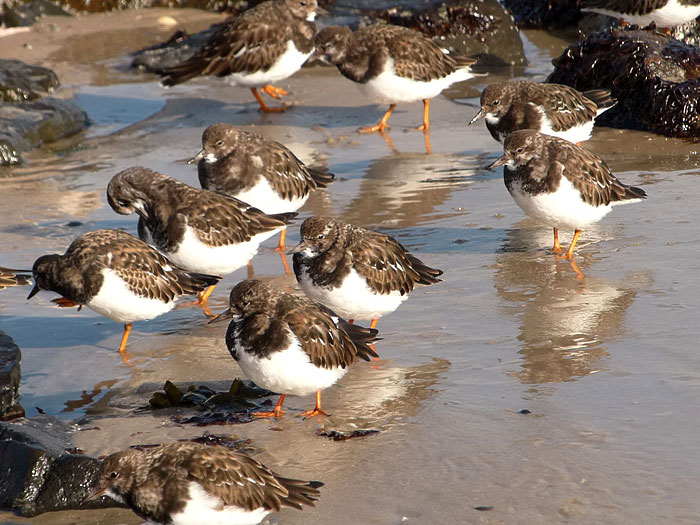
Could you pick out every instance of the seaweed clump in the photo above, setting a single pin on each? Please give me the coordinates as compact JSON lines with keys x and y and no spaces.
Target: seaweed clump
{"x":653,"y":76}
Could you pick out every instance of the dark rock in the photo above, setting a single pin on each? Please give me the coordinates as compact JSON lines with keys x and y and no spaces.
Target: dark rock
{"x":27,"y":120}
{"x":469,"y":28}
{"x":178,"y":48}
{"x":653,"y":76}
{"x":16,"y":14}
{"x":10,"y":374}
{"x":37,"y":474}
{"x":26,"y":125}
{"x":20,"y":81}
{"x":544,"y":14}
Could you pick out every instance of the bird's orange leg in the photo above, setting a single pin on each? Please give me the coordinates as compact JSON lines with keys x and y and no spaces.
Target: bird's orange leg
{"x":426,"y":116}
{"x":122,"y":345}
{"x":283,"y":236}
{"x":204,"y":295}
{"x":251,"y":273}
{"x":373,"y":324}
{"x":264,"y":107}
{"x":316,"y":411}
{"x":570,"y":252}
{"x":382,"y":123}
{"x":273,"y":91}
{"x":202,"y":298}
{"x":557,"y":247}
{"x":276,"y":412}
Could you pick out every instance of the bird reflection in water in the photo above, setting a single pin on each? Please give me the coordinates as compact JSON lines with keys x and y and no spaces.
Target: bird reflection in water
{"x":565,"y":322}
{"x":406,"y":189}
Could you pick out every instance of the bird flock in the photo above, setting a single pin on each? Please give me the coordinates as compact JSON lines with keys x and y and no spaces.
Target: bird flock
{"x":251,"y":189}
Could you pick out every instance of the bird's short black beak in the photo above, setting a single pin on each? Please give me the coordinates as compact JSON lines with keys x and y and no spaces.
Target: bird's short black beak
{"x":501,"y":161}
{"x":226,"y":314}
{"x":298,"y":248}
{"x":478,"y":116}
{"x":95,"y":493}
{"x":199,"y":156}
{"x":34,"y":291}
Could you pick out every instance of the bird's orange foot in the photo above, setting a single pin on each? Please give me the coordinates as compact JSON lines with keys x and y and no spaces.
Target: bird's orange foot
{"x":313,"y":413}
{"x":62,"y":302}
{"x":273,"y":91}
{"x":557,"y":250}
{"x":271,"y":413}
{"x":373,"y":129}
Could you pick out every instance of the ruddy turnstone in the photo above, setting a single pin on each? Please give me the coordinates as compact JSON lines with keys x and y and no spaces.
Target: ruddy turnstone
{"x":552,"y":109}
{"x":392,"y":65}
{"x":560,"y":183}
{"x":199,"y":230}
{"x":116,"y":275}
{"x":664,"y":13}
{"x":264,"y":45}
{"x":290,"y":344}
{"x":261,"y":172}
{"x":358,"y":273}
{"x":190,"y":483}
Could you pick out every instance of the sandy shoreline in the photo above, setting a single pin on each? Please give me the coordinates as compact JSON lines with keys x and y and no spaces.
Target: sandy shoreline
{"x":604,"y":365}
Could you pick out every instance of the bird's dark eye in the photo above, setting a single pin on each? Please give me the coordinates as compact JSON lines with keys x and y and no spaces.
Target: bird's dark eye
{"x":219,"y":142}
{"x":114,"y":475}
{"x":303,"y":3}
{"x":123,"y":203}
{"x":496,"y":102}
{"x":519,"y":150}
{"x":320,"y":236}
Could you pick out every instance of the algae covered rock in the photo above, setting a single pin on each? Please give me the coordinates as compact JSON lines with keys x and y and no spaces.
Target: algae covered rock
{"x":654,"y":77}
{"x":28,"y":120}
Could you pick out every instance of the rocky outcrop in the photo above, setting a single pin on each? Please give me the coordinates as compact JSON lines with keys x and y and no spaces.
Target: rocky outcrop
{"x":654,"y":77}
{"x":38,"y":474}
{"x":10,"y":374}
{"x":178,"y":48}
{"x":470,"y":28}
{"x":26,"y":119}
{"x":15,"y":13}
{"x":544,"y":14}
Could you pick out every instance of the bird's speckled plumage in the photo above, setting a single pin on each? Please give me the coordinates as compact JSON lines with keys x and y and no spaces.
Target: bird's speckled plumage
{"x":155,"y":482}
{"x":539,"y":162}
{"x":264,"y":319}
{"x":166,"y":206}
{"x":78,"y":274}
{"x":510,"y":106}
{"x":665,"y":13}
{"x":234,"y":161}
{"x":251,"y":42}
{"x":363,"y":54}
{"x":339,"y":248}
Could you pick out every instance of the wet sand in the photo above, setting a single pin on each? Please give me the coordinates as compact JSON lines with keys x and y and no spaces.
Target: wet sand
{"x":606,"y":364}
